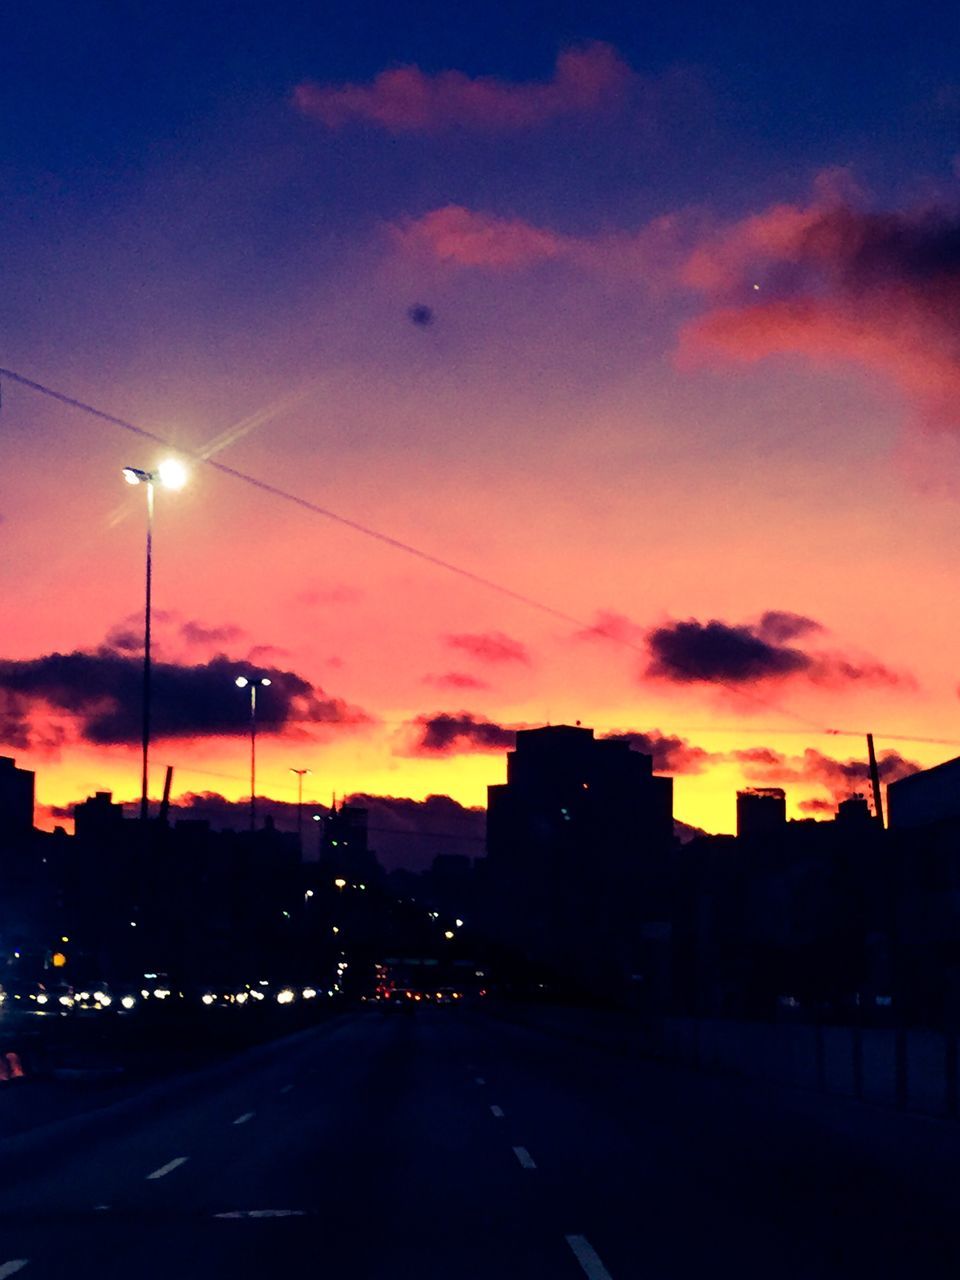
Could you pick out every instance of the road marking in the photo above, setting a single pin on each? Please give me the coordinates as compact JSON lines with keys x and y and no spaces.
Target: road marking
{"x":11,"y":1268}
{"x":165,"y":1169}
{"x":525,"y":1158}
{"x":480,"y":1080}
{"x":263,"y":1213}
{"x":286,"y":1088}
{"x":497,"y":1111}
{"x":98,"y":1208}
{"x":588,"y":1258}
{"x":247,"y":1115}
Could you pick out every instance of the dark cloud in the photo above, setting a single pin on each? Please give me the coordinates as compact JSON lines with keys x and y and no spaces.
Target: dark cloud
{"x":403,"y":833}
{"x":817,"y":805}
{"x":724,"y":653}
{"x":456,"y":680}
{"x":420,"y":314}
{"x":840,"y":778}
{"x":490,"y":646}
{"x":687,"y":652}
{"x":670,"y":753}
{"x":459,"y":733}
{"x":410,"y":833}
{"x":839,"y":283}
{"x":777,"y":626}
{"x":196,"y":633}
{"x":14,"y":723}
{"x":102,"y":691}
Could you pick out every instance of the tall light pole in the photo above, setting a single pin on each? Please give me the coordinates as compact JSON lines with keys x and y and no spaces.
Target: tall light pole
{"x":253,"y":683}
{"x":171,"y":474}
{"x":301,"y":774}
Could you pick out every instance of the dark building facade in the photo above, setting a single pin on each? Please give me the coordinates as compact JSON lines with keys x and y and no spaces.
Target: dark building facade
{"x":926,"y":797}
{"x":578,"y":845}
{"x":761,"y":812}
{"x":16,"y":799}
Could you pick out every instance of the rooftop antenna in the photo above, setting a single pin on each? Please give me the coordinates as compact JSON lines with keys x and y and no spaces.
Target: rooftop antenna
{"x":875,"y":780}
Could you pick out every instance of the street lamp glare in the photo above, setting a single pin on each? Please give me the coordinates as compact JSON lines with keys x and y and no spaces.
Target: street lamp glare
{"x":132,"y":475}
{"x":264,"y":680}
{"x":172,"y":473}
{"x":241,"y":682}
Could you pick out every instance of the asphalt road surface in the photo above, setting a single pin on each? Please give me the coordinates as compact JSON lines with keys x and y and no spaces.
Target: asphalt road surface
{"x":454,"y":1146}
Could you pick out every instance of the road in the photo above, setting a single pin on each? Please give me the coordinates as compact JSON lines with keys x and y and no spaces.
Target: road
{"x":458,"y":1146}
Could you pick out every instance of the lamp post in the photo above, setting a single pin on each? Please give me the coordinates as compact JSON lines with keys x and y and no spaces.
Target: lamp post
{"x":253,"y":683}
{"x":171,"y":474}
{"x":301,"y":774}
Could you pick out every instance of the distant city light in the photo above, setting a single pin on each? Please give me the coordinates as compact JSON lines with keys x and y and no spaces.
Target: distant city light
{"x":129,"y":1002}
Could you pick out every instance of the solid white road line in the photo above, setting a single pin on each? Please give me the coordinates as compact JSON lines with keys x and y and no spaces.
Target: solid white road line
{"x":263,"y":1213}
{"x":525,"y":1158}
{"x":167,"y":1168}
{"x":286,"y":1088}
{"x":497,"y":1111}
{"x":247,"y":1115}
{"x":588,"y":1258}
{"x":11,"y":1268}
{"x":480,"y":1080}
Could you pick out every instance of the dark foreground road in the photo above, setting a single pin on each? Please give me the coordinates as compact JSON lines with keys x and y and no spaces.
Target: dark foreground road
{"x":452,"y":1146}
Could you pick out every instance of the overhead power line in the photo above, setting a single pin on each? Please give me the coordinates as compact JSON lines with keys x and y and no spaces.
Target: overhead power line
{"x":203,"y":458}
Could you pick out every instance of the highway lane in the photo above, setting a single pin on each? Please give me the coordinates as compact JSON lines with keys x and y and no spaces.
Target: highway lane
{"x":452,"y":1145}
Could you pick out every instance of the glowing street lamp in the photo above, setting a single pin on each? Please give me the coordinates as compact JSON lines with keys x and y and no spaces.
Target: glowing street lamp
{"x":253,"y":683}
{"x":170,"y":474}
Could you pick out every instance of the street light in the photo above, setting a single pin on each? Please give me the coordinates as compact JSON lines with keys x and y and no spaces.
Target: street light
{"x":170,"y":474}
{"x":301,"y":774}
{"x":253,"y":683}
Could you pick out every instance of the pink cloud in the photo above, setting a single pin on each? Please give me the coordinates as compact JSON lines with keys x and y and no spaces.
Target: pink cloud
{"x":474,"y":238}
{"x":405,"y":99}
{"x":470,"y":239}
{"x":833,"y":283}
{"x":490,"y":646}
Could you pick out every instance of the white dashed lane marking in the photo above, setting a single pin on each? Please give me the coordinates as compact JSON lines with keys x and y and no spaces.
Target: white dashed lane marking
{"x":480,"y":1080}
{"x":286,"y":1088}
{"x":247,"y":1115}
{"x":497,"y":1111}
{"x":525,"y":1158}
{"x":11,"y":1268}
{"x":588,"y":1258}
{"x":165,"y":1169}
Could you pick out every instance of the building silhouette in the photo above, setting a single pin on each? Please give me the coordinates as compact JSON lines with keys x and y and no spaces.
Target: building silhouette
{"x":761,"y":812}
{"x":928,"y":796}
{"x":578,"y":842}
{"x":16,"y":799}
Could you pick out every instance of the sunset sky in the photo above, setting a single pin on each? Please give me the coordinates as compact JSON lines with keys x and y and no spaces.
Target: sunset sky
{"x":648,"y":315}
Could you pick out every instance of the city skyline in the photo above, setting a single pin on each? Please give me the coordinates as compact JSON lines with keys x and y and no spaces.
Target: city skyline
{"x":579,"y":314}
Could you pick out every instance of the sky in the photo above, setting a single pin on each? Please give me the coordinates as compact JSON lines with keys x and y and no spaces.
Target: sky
{"x":532,"y":364}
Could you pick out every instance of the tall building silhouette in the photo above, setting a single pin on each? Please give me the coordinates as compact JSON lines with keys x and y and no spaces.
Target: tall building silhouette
{"x":16,"y":799}
{"x":578,"y":840}
{"x":761,"y":812}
